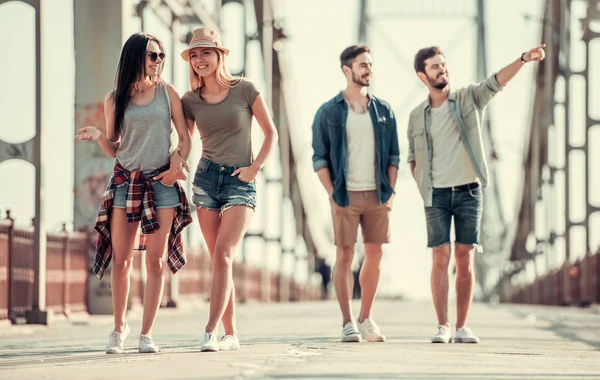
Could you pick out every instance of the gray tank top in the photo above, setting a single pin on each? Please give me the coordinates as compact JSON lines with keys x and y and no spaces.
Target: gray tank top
{"x":146,"y":134}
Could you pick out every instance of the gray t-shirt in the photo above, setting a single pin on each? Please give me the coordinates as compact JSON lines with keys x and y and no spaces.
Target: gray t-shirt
{"x":451,"y":164}
{"x":146,"y":134}
{"x":225,"y":126}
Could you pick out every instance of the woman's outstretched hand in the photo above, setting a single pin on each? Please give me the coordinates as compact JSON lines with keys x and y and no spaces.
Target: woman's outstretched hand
{"x":88,"y":133}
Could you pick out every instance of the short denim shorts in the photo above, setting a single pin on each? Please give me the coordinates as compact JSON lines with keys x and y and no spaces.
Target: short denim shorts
{"x":164,"y":196}
{"x":465,"y":206}
{"x":215,"y":188}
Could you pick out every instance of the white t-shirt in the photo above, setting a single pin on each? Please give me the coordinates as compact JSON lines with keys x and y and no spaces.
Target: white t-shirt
{"x":361,"y":152}
{"x":451,"y":165}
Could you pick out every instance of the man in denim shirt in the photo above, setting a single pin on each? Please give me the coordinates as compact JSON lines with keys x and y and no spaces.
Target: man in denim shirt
{"x":356,"y":157}
{"x":447,"y":160}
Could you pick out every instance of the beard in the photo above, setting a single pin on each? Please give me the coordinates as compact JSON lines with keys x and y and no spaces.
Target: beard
{"x":361,"y":81}
{"x":433,"y":82}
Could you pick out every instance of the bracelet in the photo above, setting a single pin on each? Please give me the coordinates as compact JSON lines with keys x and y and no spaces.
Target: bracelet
{"x":523,"y":58}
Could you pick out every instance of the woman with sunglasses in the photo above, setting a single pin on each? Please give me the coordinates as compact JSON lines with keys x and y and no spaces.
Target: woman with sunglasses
{"x":221,"y":107}
{"x":144,"y":184}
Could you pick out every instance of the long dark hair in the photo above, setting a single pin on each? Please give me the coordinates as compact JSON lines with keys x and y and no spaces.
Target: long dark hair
{"x":132,"y":65}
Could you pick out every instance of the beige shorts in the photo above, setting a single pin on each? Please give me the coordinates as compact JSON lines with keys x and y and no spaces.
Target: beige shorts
{"x":366,"y":211}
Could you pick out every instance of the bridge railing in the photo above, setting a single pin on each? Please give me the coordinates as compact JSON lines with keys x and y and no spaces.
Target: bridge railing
{"x":68,"y":273}
{"x":576,"y":284}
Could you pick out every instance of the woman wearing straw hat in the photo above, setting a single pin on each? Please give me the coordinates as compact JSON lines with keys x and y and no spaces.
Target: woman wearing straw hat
{"x":143,"y":186}
{"x":222,"y":106}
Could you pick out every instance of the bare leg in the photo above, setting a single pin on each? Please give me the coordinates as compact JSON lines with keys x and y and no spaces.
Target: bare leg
{"x":439,"y":282}
{"x":369,"y":279}
{"x":234,"y":224}
{"x":465,"y":281}
{"x":122,"y":239}
{"x":210,"y":223}
{"x":156,"y":252}
{"x":344,"y":281}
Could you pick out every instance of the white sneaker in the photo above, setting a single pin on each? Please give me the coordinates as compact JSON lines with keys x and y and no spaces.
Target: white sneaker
{"x":350,"y":333}
{"x":370,"y":331}
{"x":147,"y":345}
{"x":465,"y":335}
{"x":444,"y":335}
{"x":209,"y":344}
{"x":229,"y":343}
{"x":115,"y":343}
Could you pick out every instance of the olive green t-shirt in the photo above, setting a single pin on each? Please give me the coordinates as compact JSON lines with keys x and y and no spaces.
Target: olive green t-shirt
{"x":225,"y":126}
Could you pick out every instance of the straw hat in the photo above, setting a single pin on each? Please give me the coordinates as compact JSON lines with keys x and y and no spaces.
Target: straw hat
{"x":204,"y":37}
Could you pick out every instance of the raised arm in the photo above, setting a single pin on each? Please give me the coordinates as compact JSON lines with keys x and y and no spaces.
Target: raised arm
{"x":508,"y":72}
{"x":483,"y":92}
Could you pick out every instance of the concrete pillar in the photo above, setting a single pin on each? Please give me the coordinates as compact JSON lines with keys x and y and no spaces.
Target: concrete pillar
{"x":101,"y":28}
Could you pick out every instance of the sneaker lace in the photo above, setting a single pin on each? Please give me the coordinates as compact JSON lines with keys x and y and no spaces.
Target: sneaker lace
{"x":373,"y":328}
{"x":349,"y":329}
{"x":146,"y":340}
{"x":467,"y":330}
{"x":115,"y":338}
{"x":441,"y":330}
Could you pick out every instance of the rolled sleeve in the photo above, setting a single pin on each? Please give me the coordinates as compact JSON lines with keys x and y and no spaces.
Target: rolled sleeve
{"x":492,"y":83}
{"x":319,"y":164}
{"x":320,"y":142}
{"x":484,"y":91}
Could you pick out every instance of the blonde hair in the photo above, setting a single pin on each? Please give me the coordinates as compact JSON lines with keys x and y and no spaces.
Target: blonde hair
{"x":224,"y":77}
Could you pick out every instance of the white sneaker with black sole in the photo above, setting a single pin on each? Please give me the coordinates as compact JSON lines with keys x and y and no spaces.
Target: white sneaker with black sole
{"x":209,"y":343}
{"x":116,"y":340}
{"x":370,"y":331}
{"x":465,"y":335}
{"x":147,"y":345}
{"x":229,"y":343}
{"x":350,"y":333}
{"x":444,"y":335}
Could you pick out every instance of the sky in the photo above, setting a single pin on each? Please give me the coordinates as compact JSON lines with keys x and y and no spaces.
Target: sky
{"x":312,"y":57}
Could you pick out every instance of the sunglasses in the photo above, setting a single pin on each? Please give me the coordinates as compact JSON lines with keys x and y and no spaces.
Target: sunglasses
{"x":154,"y":56}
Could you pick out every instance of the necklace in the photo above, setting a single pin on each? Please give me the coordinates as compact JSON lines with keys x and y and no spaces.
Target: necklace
{"x":357,"y":107}
{"x":145,"y":84}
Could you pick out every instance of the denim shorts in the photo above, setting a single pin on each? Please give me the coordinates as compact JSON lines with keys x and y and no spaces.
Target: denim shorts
{"x":164,"y":196}
{"x":465,"y":205}
{"x":215,"y":188}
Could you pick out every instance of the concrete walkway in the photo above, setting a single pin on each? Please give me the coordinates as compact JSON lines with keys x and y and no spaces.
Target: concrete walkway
{"x":301,"y":341}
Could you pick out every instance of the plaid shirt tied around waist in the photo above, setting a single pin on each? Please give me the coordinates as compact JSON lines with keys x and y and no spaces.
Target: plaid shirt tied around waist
{"x":140,"y":206}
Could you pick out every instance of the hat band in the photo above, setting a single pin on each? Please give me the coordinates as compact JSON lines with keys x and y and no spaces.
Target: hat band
{"x":203,"y":41}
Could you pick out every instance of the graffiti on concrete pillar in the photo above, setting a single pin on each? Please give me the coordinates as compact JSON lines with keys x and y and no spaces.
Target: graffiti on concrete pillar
{"x":92,"y":167}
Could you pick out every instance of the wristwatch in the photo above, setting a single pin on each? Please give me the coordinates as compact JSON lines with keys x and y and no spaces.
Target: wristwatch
{"x":523,"y":58}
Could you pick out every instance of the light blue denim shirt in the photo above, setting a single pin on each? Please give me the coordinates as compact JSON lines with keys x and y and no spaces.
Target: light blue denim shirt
{"x":467,"y":106}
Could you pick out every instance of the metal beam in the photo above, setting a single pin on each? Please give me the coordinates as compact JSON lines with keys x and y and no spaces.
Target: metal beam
{"x":362,"y":22}
{"x":203,"y":15}
{"x":426,"y":16}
